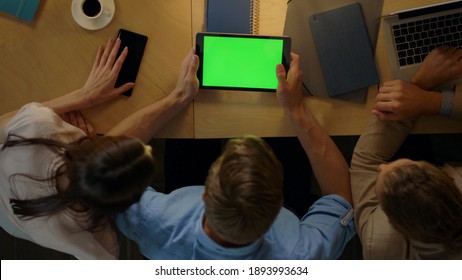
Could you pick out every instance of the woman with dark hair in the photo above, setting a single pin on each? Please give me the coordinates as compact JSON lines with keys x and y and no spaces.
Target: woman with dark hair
{"x":58,"y":187}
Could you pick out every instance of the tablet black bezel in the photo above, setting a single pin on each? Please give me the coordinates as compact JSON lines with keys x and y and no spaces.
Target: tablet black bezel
{"x":285,"y":60}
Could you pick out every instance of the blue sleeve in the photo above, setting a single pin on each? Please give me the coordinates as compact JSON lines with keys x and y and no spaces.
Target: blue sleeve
{"x":327,"y":227}
{"x":161,"y":222}
{"x":132,"y":222}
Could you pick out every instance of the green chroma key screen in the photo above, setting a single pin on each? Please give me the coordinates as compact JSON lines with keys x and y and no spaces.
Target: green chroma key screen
{"x":240,"y":62}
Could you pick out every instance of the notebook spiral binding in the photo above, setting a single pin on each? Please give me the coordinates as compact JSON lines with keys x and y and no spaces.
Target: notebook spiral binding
{"x":254,"y":16}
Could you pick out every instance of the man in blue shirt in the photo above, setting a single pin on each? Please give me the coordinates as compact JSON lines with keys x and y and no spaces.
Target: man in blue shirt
{"x":238,"y":214}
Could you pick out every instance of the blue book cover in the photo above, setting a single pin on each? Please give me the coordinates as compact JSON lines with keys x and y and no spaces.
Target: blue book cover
{"x":344,"y":49}
{"x":23,"y":9}
{"x":230,"y":16}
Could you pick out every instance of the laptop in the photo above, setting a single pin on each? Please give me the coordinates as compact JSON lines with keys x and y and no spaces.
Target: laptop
{"x":412,"y":34}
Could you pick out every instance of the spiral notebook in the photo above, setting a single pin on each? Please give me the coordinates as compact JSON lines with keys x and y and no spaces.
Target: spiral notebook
{"x":236,"y":16}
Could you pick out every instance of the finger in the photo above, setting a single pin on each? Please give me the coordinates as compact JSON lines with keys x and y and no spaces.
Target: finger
{"x":385,"y":89}
{"x":123,"y":88}
{"x":451,"y":50}
{"x":81,"y":121}
{"x":79,"y":115}
{"x":113,"y":54}
{"x":118,"y":64}
{"x":383,"y":97}
{"x":107,"y":50}
{"x":187,"y":59}
{"x":456,"y":54}
{"x":294,"y":61}
{"x":444,"y":47}
{"x":99,"y":54}
{"x":73,"y":119}
{"x":86,"y":126}
{"x":193,"y":65}
{"x":378,"y":114}
{"x":383,"y":116}
{"x":294,"y":56}
{"x":91,"y":132}
{"x":389,"y":84}
{"x":65,"y":117}
{"x":384,"y":106}
{"x":281,"y":73}
{"x":185,"y":64}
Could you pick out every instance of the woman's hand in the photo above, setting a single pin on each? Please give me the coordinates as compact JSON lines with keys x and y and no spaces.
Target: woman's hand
{"x":78,"y":120}
{"x":100,"y":85}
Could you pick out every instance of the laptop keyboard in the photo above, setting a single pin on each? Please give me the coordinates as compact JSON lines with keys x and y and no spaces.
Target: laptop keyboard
{"x":414,"y":40}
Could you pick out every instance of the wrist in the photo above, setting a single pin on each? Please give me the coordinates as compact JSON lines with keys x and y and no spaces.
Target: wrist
{"x":423,"y":84}
{"x":179,"y":96}
{"x":297,"y":113}
{"x":433,"y":104}
{"x":86,"y":96}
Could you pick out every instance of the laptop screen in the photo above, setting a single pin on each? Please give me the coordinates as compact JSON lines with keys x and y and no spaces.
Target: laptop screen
{"x":432,"y":9}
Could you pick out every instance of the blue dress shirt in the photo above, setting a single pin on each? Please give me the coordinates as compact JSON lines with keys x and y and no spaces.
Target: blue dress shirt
{"x":170,"y":227}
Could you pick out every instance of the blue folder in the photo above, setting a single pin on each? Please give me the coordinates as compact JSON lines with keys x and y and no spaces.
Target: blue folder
{"x":23,"y":9}
{"x":344,"y":49}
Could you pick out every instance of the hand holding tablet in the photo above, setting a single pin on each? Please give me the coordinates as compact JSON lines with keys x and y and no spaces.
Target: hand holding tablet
{"x":239,"y":61}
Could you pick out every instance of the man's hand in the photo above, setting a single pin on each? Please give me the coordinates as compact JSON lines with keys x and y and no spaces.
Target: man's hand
{"x":398,"y":100}
{"x":442,"y":65}
{"x":187,"y":85}
{"x":289,"y":90}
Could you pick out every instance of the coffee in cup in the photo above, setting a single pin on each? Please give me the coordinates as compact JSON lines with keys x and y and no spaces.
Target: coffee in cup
{"x":93,"y":9}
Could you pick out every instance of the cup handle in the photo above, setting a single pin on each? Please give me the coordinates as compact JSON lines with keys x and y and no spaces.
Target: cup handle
{"x":106,"y":13}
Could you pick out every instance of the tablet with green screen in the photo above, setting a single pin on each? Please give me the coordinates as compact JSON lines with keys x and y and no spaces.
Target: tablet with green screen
{"x":239,"y":61}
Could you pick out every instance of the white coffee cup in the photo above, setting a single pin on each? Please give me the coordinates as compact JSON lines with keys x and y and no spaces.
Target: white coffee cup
{"x":93,"y":9}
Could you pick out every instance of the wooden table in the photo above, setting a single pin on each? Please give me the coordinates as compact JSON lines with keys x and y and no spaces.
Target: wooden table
{"x":53,"y":55}
{"x":232,"y":113}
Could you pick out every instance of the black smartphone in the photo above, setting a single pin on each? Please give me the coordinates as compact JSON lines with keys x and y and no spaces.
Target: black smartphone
{"x":136,"y":44}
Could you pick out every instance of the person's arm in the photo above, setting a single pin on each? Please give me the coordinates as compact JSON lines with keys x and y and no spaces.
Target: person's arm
{"x":377,"y":145}
{"x":144,"y":123}
{"x":329,"y":166}
{"x":99,"y":87}
{"x":398,"y":100}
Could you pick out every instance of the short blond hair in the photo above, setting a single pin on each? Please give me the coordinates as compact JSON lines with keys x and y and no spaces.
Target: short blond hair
{"x":243,"y":192}
{"x":423,"y":203}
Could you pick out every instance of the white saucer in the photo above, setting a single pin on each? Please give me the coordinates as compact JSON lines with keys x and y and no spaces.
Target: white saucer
{"x":92,"y":24}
